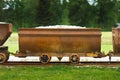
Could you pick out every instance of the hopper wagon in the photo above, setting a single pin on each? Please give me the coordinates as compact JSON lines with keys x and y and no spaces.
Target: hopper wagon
{"x":5,"y":32}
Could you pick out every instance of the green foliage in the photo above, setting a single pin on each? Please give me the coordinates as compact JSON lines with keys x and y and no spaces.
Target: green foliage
{"x":56,"y":9}
{"x":108,"y":15}
{"x":49,"y":12}
{"x":30,"y":13}
{"x":78,"y":12}
{"x":118,"y":4}
{"x":103,"y":14}
{"x":44,"y":14}
{"x":1,"y":11}
{"x":14,"y":13}
{"x":65,"y":13}
{"x":22,"y":13}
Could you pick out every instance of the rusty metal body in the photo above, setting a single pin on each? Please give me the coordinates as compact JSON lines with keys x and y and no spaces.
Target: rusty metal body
{"x":5,"y":31}
{"x":58,"y":41}
{"x":116,"y":40}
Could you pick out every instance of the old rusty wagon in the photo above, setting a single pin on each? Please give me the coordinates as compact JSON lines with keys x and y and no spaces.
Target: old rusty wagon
{"x":5,"y":31}
{"x":48,"y":42}
{"x":116,"y":41}
{"x":59,"y":42}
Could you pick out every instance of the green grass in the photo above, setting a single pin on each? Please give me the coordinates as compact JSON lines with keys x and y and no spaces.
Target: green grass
{"x":12,"y":42}
{"x":106,"y":42}
{"x":59,"y":73}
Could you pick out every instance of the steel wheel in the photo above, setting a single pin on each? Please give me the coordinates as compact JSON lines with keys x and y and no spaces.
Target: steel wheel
{"x":74,"y":58}
{"x":3,"y":57}
{"x":7,"y":57}
{"x":45,"y":58}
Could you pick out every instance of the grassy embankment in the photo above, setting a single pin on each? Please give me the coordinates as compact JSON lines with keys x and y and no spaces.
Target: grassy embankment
{"x":106,"y":43}
{"x":59,"y":73}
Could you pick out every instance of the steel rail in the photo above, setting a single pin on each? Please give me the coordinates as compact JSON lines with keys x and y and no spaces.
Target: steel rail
{"x":13,"y":63}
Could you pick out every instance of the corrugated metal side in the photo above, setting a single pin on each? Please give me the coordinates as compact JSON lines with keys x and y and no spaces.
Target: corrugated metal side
{"x":59,"y":40}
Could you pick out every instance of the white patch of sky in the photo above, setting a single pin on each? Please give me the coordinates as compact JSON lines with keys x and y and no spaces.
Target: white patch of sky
{"x":6,"y":7}
{"x":63,"y":0}
{"x":92,"y":2}
{"x":8,"y":0}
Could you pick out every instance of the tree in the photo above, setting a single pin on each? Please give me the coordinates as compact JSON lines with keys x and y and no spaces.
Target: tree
{"x":65,"y":13}
{"x":14,"y":14}
{"x":56,"y":9}
{"x":8,"y":14}
{"x":1,"y":9}
{"x":18,"y":13}
{"x":118,"y":4}
{"x":44,"y":14}
{"x":108,"y":13}
{"x":81,"y":13}
{"x":101,"y":13}
{"x":30,"y":13}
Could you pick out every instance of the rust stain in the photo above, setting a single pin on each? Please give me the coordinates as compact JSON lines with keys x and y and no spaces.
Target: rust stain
{"x":116,"y":40}
{"x":5,"y":31}
{"x":59,"y":40}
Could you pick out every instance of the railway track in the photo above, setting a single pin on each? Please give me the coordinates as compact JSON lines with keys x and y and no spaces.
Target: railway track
{"x":109,"y":64}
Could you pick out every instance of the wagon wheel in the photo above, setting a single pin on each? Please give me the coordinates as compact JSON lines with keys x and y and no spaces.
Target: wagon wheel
{"x":3,"y":57}
{"x":45,"y":58}
{"x":74,"y":58}
{"x":7,"y":55}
